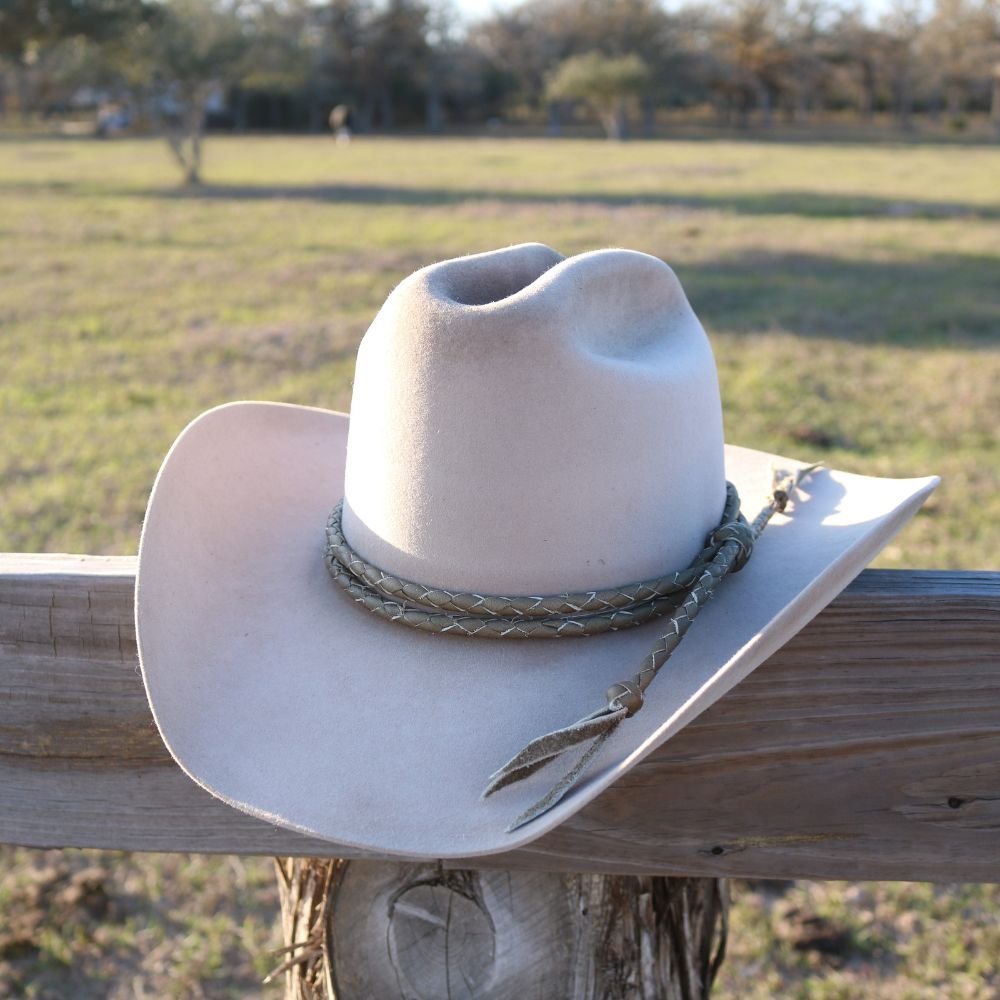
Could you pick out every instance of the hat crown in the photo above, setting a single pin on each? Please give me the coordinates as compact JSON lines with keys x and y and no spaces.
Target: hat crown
{"x":527,"y":424}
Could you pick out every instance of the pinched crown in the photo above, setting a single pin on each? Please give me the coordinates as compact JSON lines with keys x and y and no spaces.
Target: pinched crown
{"x":524,"y":423}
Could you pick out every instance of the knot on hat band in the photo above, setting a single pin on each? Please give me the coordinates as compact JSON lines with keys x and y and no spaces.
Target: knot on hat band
{"x":681,"y":594}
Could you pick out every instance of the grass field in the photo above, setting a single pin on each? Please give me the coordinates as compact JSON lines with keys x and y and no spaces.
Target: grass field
{"x":852,"y":294}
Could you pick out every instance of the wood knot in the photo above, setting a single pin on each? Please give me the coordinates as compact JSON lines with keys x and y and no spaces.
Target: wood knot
{"x":441,"y":942}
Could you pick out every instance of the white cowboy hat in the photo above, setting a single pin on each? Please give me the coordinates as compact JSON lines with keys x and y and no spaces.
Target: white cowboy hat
{"x":521,"y":424}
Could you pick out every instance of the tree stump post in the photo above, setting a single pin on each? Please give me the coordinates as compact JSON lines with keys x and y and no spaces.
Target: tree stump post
{"x":356,"y":930}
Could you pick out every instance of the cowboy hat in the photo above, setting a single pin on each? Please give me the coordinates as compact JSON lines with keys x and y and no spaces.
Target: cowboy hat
{"x":521,"y":424}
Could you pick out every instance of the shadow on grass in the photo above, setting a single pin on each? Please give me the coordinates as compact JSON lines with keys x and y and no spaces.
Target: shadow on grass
{"x":937,"y":300}
{"x":804,"y":203}
{"x":926,"y":132}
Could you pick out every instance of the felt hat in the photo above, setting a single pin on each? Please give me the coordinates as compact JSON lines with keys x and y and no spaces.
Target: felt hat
{"x":521,"y":424}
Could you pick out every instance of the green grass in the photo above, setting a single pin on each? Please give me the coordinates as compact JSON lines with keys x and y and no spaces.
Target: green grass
{"x":96,"y":925}
{"x":877,"y":941}
{"x":852,"y":294}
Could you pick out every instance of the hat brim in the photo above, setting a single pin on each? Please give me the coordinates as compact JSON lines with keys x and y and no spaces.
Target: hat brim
{"x":279,"y":695}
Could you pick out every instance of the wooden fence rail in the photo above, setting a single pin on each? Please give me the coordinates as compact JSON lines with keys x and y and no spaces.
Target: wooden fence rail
{"x":855,"y":752}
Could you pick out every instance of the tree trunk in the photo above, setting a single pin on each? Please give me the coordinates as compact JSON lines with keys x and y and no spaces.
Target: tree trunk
{"x":955,"y":100}
{"x":195,"y":132}
{"x":648,"y":117}
{"x":765,"y":103}
{"x":869,"y":84}
{"x":802,"y":106}
{"x":25,"y":91}
{"x":613,"y":119}
{"x":995,"y":100}
{"x":385,"y":110}
{"x":358,"y":930}
{"x":366,"y":114}
{"x":240,"y":110}
{"x":434,"y":115}
{"x":314,"y":114}
{"x":745,"y":98}
{"x":904,"y":101}
{"x":554,"y":126}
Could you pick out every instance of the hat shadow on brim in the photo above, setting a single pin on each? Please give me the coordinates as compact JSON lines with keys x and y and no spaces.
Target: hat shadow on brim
{"x":279,"y":695}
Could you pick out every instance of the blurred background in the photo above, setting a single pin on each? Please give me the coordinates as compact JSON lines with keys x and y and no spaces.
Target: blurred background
{"x":204,"y":201}
{"x":133,"y":66}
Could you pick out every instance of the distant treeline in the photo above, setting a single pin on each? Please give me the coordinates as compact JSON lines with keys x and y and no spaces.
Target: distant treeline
{"x":408,"y":63}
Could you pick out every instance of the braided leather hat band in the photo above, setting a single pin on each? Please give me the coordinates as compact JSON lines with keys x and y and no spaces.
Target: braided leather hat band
{"x":435,"y":609}
{"x":681,"y":595}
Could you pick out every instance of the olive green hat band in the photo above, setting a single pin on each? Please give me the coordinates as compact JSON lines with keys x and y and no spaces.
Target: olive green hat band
{"x":681,"y":594}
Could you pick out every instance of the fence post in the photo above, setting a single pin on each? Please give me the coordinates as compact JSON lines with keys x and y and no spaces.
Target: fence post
{"x":361,"y":929}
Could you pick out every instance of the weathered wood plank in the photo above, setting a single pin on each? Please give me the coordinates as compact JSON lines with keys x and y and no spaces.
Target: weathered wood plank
{"x":868,"y":747}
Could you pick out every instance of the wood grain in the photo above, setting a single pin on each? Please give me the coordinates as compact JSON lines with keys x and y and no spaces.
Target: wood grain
{"x":355,"y":930}
{"x":869,"y":747}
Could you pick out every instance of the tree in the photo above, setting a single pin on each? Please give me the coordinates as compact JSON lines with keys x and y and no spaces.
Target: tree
{"x":189,"y":49}
{"x":807,"y":68}
{"x":289,"y":58}
{"x":379,"y":57}
{"x":901,"y":26}
{"x":955,"y":48}
{"x":752,"y":57}
{"x":995,"y":100}
{"x":524,"y":44}
{"x":860,"y":48}
{"x":27,"y":24}
{"x":31,"y":29}
{"x":617,"y":28}
{"x":606,"y":84}
{"x":960,"y":44}
{"x":990,"y":20}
